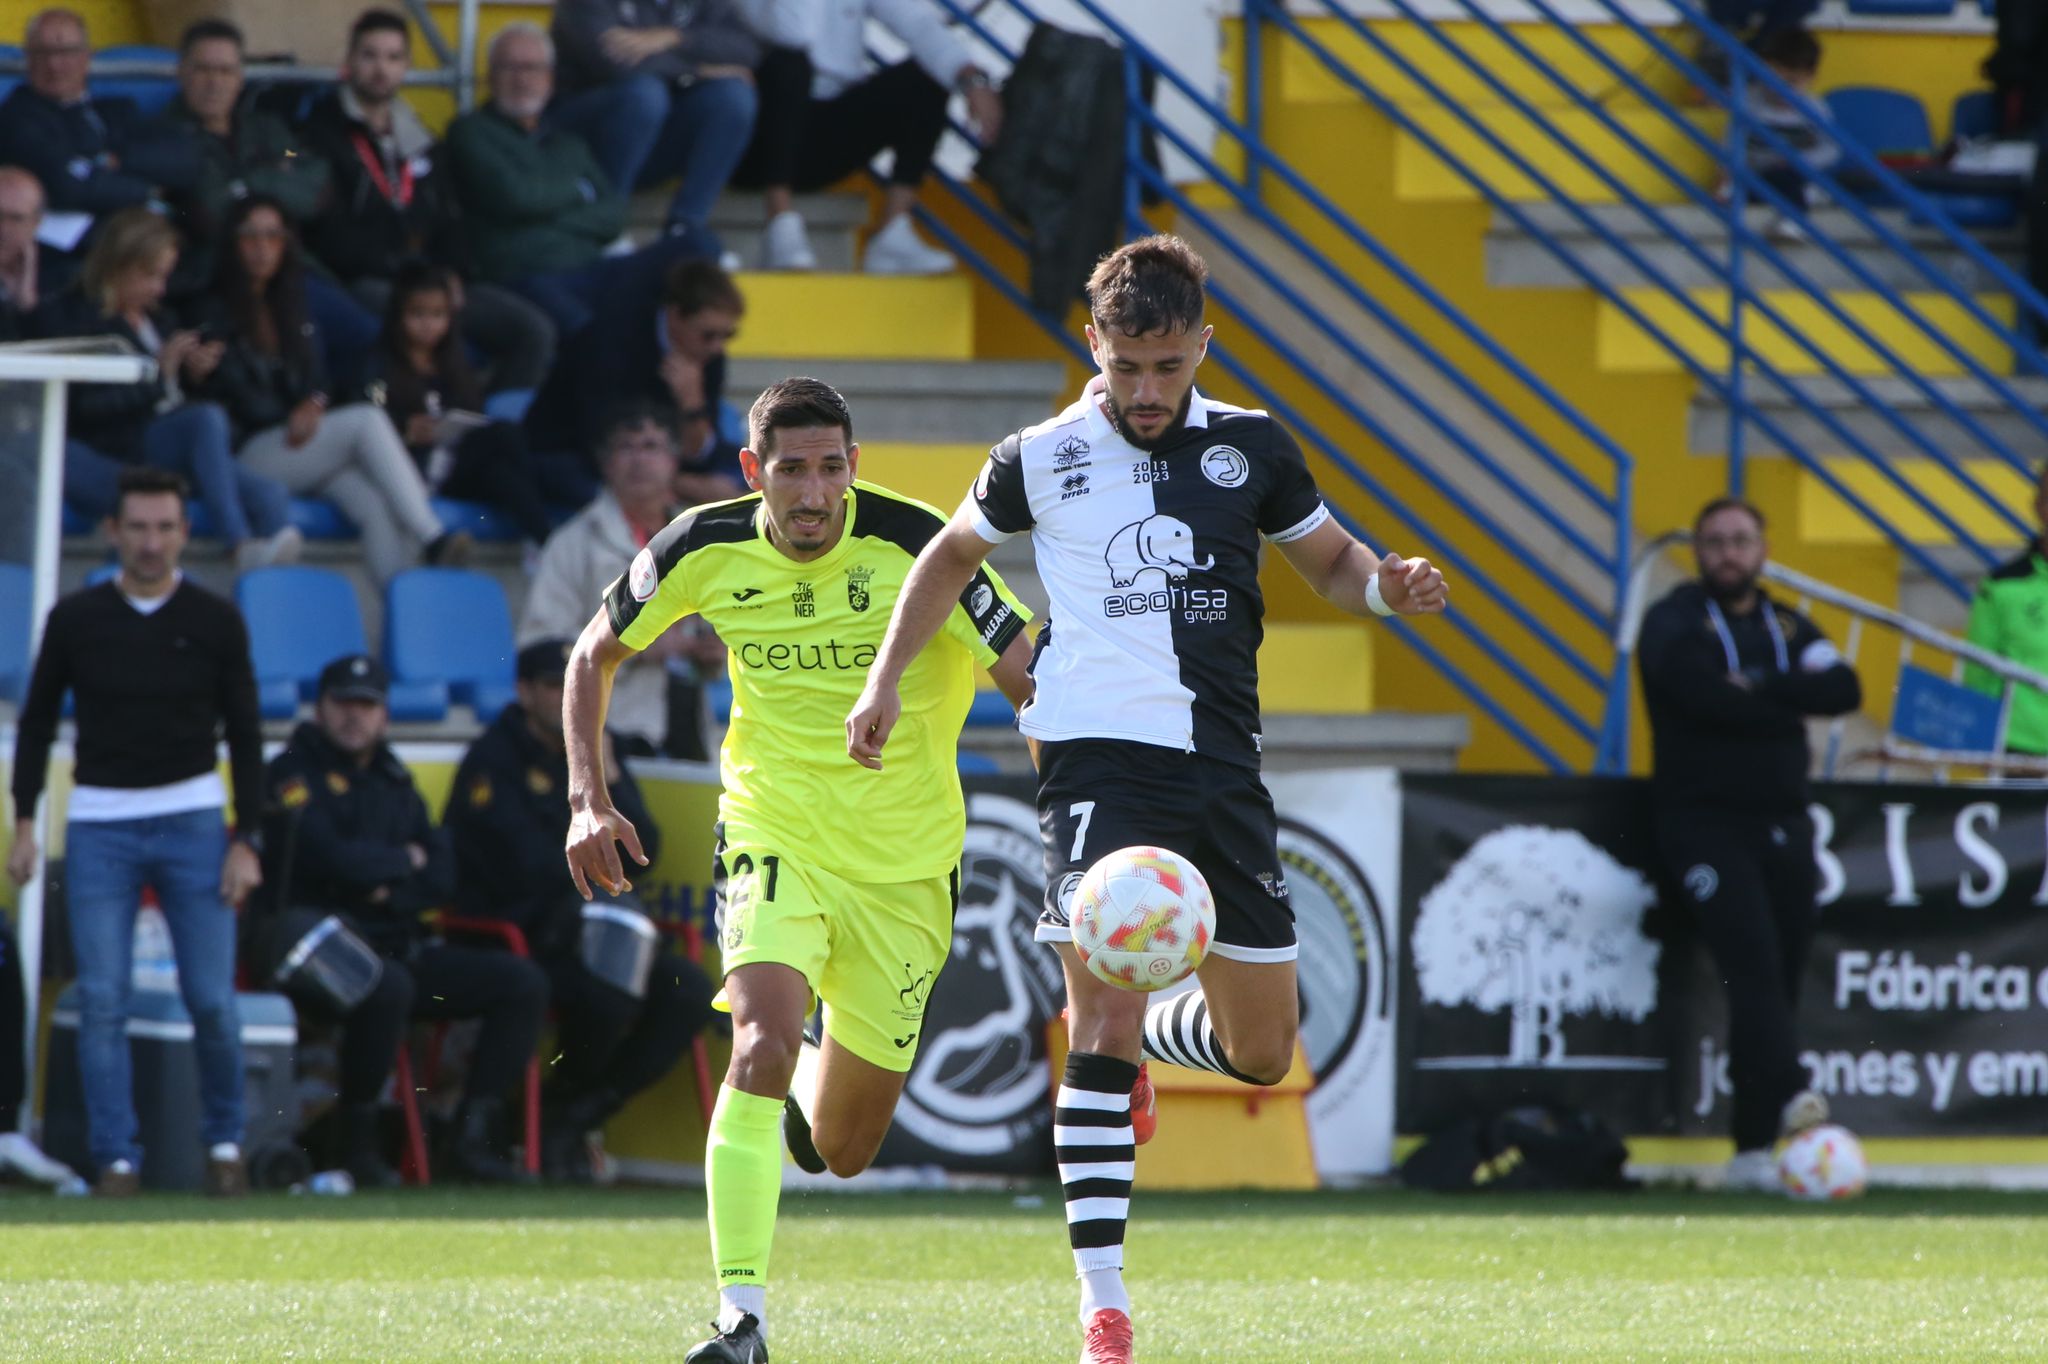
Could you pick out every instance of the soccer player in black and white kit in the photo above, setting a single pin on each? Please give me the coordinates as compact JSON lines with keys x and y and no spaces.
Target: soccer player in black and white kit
{"x":1148,"y":504}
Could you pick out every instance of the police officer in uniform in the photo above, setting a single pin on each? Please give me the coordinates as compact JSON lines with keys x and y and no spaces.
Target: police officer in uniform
{"x":348,"y":833}
{"x":508,"y":818}
{"x":1729,"y":677}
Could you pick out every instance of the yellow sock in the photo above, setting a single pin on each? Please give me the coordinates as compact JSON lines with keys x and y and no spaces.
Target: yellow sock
{"x":743,"y":1177}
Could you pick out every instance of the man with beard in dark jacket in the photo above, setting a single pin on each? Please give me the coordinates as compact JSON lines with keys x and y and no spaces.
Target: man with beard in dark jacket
{"x":1729,"y":677}
{"x":391,"y":203}
{"x":508,"y":816}
{"x":346,"y":832}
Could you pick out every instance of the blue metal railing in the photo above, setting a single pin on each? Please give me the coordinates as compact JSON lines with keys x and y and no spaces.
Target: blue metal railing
{"x":1600,"y":720}
{"x":1725,"y":386}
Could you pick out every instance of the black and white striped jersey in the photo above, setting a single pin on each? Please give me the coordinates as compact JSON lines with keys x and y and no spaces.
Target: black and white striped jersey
{"x":1151,"y":561}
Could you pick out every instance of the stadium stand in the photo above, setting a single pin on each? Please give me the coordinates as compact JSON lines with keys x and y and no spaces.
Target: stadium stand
{"x":474,"y":662}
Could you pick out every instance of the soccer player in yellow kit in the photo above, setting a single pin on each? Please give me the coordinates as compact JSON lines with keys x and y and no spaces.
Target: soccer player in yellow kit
{"x":834,"y":881}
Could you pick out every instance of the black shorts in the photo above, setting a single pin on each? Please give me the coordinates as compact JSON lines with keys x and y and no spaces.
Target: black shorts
{"x":1098,"y":795}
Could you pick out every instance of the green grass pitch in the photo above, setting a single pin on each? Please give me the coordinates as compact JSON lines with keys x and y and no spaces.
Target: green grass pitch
{"x":622,"y":1275}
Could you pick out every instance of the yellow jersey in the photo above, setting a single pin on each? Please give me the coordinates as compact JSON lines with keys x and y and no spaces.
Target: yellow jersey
{"x":799,"y":639}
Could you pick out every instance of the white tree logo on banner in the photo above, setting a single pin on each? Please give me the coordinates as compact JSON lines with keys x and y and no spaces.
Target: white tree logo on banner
{"x":1541,"y":923}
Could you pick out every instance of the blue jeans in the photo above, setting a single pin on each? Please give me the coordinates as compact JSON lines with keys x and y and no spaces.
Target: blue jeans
{"x":195,"y":441}
{"x":644,"y":130}
{"x":345,"y":330}
{"x":611,"y":284}
{"x":106,"y":866}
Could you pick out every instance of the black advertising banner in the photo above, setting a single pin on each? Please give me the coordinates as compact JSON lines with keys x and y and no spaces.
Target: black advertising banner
{"x":978,"y":1098}
{"x":1540,"y":964}
{"x":1532,"y":966}
{"x":1924,"y":1009}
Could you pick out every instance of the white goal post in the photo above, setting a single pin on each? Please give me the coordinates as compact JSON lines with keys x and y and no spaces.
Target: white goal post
{"x":55,"y":366}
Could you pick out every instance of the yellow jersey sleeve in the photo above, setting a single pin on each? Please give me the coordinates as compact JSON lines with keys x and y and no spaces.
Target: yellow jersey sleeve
{"x":657,"y":588}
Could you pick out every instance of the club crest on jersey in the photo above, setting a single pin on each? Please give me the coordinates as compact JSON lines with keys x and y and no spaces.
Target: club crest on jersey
{"x":641,"y":578}
{"x":1225,"y":466}
{"x":1164,"y":543}
{"x":857,"y":587}
{"x":1069,"y":454}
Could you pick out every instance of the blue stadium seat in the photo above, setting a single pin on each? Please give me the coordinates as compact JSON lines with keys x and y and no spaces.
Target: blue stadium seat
{"x":12,"y":56}
{"x":991,"y":710}
{"x":105,"y":573}
{"x":1975,"y":115}
{"x":319,"y":519}
{"x":300,"y":620}
{"x":1887,"y":122}
{"x":732,"y":424}
{"x":976,"y":764}
{"x":1903,"y":9}
{"x":17,"y":586}
{"x":509,"y":406}
{"x":150,"y":93}
{"x":481,"y":521}
{"x":75,"y":522}
{"x":719,"y":694}
{"x":452,"y":626}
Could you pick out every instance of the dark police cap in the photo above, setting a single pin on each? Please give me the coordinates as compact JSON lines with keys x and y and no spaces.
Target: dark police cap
{"x":355,"y":677}
{"x":543,"y":660}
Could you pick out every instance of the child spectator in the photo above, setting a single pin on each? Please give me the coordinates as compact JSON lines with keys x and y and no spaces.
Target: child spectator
{"x":420,"y":376}
{"x":272,"y":383}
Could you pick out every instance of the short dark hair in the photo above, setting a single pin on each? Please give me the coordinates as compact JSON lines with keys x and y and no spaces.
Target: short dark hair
{"x":631,"y":415}
{"x":691,"y":286}
{"x":208,"y":31}
{"x":1153,"y":284}
{"x":792,"y":403}
{"x":1794,"y":49}
{"x":1721,"y":504}
{"x":138,"y":481}
{"x":378,"y":21}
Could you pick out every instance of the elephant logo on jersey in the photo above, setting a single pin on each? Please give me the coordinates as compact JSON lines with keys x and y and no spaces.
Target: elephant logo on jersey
{"x":1161,"y":542}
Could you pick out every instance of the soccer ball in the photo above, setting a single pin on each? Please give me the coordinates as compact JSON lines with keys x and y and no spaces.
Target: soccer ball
{"x":1823,"y":1162}
{"x":1142,"y":918}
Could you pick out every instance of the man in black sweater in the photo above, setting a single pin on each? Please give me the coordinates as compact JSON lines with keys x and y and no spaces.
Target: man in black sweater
{"x":508,"y":815}
{"x":158,"y":667}
{"x":1729,"y":677}
{"x":348,"y":833}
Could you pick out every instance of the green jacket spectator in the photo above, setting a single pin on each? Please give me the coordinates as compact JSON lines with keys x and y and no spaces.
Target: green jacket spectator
{"x":2009,"y":616}
{"x":535,"y":201}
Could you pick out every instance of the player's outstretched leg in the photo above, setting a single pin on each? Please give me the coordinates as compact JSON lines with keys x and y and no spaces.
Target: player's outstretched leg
{"x":743,"y":1155}
{"x":1241,"y":1022}
{"x":1097,"y":1151}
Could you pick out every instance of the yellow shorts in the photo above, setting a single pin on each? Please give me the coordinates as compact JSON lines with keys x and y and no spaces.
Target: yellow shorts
{"x":870,"y":950}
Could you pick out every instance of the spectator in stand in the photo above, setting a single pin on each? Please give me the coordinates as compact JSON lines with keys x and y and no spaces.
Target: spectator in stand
{"x":657,"y":701}
{"x":242,"y":149}
{"x":421,"y":378}
{"x":348,"y":833}
{"x":271,"y":382}
{"x":390,"y":204}
{"x":117,"y":425}
{"x":29,"y":276}
{"x":159,"y":667}
{"x":94,"y":156}
{"x":540,"y":210}
{"x":667,"y":350}
{"x":659,"y":89}
{"x":508,"y":813}
{"x":826,"y":111}
{"x":2009,"y":616}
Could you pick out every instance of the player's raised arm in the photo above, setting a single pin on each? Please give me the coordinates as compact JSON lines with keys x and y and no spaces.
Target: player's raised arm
{"x":930,"y":593}
{"x":595,"y":824}
{"x":1349,"y":576}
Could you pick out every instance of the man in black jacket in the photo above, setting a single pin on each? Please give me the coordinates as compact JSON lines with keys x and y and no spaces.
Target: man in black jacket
{"x":1729,"y":677}
{"x":159,"y":669}
{"x":391,"y":203}
{"x":508,"y":816}
{"x":346,"y":832}
{"x":668,"y":350}
{"x":92,"y":155}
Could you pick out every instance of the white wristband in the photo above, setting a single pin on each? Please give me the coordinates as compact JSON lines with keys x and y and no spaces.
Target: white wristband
{"x":1373,"y":600}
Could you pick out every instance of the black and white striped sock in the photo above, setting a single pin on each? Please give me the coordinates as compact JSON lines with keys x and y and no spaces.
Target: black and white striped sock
{"x":1178,"y":1032}
{"x":1091,"y":1137}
